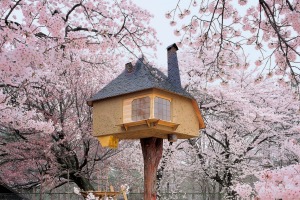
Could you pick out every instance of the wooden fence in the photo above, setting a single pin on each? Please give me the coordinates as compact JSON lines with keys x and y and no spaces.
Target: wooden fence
{"x":131,"y":196}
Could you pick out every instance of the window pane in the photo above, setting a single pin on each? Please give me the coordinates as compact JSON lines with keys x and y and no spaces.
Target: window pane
{"x":162,"y":109}
{"x":140,"y":109}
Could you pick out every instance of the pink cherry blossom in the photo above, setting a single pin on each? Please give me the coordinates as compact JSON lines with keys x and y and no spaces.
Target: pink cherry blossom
{"x":258,"y":63}
{"x":168,"y":15}
{"x":173,"y":23}
{"x":177,"y":32}
{"x":242,"y":2}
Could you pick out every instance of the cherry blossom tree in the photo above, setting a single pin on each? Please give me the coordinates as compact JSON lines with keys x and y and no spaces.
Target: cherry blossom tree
{"x":267,"y":33}
{"x":266,"y":30}
{"x":53,"y":56}
{"x":69,"y":152}
{"x":247,"y":122}
{"x":219,"y":31}
{"x":280,"y":182}
{"x":178,"y":174}
{"x":244,"y":134}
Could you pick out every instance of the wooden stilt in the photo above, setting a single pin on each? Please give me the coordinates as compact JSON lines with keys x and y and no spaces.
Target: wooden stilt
{"x":152,"y":149}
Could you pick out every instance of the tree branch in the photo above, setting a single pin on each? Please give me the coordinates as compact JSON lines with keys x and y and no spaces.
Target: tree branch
{"x":11,"y":10}
{"x":70,"y":11}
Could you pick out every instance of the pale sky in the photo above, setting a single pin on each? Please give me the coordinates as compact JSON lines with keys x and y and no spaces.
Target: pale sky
{"x":164,"y":31}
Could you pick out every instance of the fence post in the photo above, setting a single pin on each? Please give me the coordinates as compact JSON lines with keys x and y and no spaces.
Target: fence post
{"x":34,"y":191}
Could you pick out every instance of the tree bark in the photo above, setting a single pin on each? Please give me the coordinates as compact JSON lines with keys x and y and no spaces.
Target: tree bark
{"x":152,"y":149}
{"x":82,"y":182}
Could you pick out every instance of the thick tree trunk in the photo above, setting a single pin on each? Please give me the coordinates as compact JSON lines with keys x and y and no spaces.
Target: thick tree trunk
{"x":152,"y":149}
{"x":82,"y":182}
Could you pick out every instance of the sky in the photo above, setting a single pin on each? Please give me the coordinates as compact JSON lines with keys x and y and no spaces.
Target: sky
{"x":165,"y":32}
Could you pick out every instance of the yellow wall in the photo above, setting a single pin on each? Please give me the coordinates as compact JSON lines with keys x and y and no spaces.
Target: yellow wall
{"x":183,"y":113}
{"x":109,"y":112}
{"x":106,"y":114}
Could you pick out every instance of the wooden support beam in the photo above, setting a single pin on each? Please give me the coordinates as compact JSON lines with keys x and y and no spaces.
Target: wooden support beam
{"x":156,"y":122}
{"x":148,"y":123}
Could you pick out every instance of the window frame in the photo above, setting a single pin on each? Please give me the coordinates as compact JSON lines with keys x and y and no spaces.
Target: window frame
{"x":135,"y":118}
{"x":170,"y":107}
{"x":127,"y":106}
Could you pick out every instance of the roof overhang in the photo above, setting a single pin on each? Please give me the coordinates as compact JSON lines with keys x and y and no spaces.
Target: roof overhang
{"x":198,"y":113}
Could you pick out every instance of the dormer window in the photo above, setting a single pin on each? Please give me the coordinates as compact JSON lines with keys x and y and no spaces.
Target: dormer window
{"x":140,"y":109}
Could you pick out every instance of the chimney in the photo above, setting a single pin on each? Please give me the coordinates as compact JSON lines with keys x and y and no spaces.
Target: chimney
{"x":129,"y":67}
{"x":173,"y":69}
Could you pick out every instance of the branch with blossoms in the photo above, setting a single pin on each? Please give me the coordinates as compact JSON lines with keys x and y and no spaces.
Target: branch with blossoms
{"x":48,"y":49}
{"x":87,"y":20}
{"x":68,"y":152}
{"x":280,"y":182}
{"x":243,"y":124}
{"x":271,"y":28}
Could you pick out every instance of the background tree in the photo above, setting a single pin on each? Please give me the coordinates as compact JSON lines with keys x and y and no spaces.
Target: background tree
{"x":266,"y":30}
{"x":280,"y":182}
{"x":267,"y":33}
{"x":53,"y":55}
{"x":247,"y":122}
{"x":68,"y":152}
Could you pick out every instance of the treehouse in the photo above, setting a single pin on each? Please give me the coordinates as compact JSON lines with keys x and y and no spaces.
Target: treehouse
{"x":142,"y":102}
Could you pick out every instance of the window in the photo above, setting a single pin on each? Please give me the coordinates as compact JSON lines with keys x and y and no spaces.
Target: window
{"x":140,"y":109}
{"x":162,"y":109}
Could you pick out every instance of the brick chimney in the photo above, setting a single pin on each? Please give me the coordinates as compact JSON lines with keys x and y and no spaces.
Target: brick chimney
{"x":173,"y":69}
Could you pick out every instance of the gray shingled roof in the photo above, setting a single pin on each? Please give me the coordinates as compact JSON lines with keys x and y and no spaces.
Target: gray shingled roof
{"x":141,"y":78}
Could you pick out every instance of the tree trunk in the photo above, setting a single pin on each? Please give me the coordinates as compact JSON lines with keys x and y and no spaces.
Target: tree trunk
{"x":152,"y":149}
{"x":82,"y":182}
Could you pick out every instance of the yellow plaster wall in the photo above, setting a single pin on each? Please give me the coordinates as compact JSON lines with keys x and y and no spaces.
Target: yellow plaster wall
{"x":183,"y":113}
{"x":109,"y":112}
{"x":106,"y":114}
